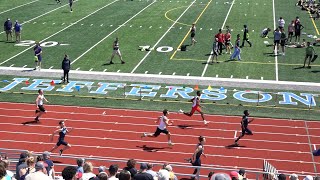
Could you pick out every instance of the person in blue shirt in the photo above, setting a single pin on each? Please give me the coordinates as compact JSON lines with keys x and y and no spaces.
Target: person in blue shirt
{"x":62,"y":131}
{"x":244,"y":126}
{"x":8,"y":28}
{"x":37,"y":56}
{"x":17,"y":30}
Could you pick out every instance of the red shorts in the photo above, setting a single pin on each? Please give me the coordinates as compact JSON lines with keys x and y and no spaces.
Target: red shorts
{"x":196,"y":108}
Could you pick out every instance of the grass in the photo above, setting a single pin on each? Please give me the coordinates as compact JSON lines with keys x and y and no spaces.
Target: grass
{"x":98,"y":24}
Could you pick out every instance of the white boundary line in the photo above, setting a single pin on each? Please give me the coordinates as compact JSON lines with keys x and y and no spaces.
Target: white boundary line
{"x":276,"y":49}
{"x":235,"y":135}
{"x":111,"y":33}
{"x":153,"y":142}
{"x":104,"y":114}
{"x":42,"y":14}
{"x":18,"y":6}
{"x":310,"y":145}
{"x":150,"y":111}
{"x":162,"y":36}
{"x":60,"y":31}
{"x":224,"y":22}
{"x":159,"y":151}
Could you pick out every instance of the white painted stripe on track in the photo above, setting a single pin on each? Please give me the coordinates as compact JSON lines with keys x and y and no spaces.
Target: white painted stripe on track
{"x":134,"y":69}
{"x":153,"y":142}
{"x":224,"y":22}
{"x":150,"y":111}
{"x":75,"y":60}
{"x":136,"y":132}
{"x":18,"y":6}
{"x":160,"y":151}
{"x":60,"y":30}
{"x":153,"y":118}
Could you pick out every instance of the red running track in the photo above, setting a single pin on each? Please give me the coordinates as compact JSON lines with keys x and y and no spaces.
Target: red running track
{"x":115,"y":134}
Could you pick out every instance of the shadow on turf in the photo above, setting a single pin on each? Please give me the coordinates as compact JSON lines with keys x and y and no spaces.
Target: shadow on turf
{"x":301,"y":67}
{"x":186,"y":126}
{"x":315,"y":71}
{"x":150,"y":149}
{"x":232,"y":146}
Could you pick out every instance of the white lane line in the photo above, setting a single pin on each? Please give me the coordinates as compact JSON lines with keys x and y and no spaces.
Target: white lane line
{"x":60,"y":30}
{"x":314,"y":147}
{"x":18,"y":6}
{"x":42,"y":15}
{"x":235,"y":135}
{"x":225,"y":20}
{"x":111,"y":33}
{"x":134,"y":69}
{"x":275,"y":50}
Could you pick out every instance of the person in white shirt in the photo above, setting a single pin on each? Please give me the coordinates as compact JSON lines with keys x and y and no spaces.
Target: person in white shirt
{"x":39,"y":104}
{"x":162,"y":127}
{"x":88,"y":171}
{"x":281,"y":23}
{"x":40,"y":174}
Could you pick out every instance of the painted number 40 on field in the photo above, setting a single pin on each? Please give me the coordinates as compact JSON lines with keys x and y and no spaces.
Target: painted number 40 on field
{"x":28,"y":43}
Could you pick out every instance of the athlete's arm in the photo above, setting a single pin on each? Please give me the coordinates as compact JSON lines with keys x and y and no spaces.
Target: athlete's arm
{"x":158,"y":120}
{"x":45,"y":99}
{"x":55,"y":132}
{"x":167,"y":122}
{"x":37,"y":100}
{"x":69,"y":129}
{"x":251,"y":120}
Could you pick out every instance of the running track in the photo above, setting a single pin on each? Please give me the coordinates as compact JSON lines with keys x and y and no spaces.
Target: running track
{"x":115,"y":134}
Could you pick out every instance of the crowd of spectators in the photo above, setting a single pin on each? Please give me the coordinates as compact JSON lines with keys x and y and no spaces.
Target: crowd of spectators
{"x":31,"y":167}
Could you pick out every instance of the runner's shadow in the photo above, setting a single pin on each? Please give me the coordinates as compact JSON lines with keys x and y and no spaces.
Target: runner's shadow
{"x":233,"y":146}
{"x":28,"y":70}
{"x":315,"y":71}
{"x":57,"y":162}
{"x":150,"y":149}
{"x":186,"y":126}
{"x":301,"y":67}
{"x":29,"y":122}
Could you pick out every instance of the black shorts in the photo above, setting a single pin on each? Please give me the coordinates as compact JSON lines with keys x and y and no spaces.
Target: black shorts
{"x":227,"y":43}
{"x":282,"y":43}
{"x":297,"y":33}
{"x":245,"y":131}
{"x":197,"y":162}
{"x":62,"y":142}
{"x":290,"y":33}
{"x":308,"y":55}
{"x":276,"y":42}
{"x":41,"y":108}
{"x":159,"y":131}
{"x":193,"y":35}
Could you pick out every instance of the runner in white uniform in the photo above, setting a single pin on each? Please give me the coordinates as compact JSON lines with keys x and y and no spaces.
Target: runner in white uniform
{"x":162,"y":127}
{"x":39,"y":104}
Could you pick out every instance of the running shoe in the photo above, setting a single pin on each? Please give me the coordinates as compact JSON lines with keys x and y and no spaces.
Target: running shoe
{"x":143,"y":135}
{"x":180,"y":111}
{"x":205,"y":122}
{"x":60,"y":152}
{"x":170,"y":144}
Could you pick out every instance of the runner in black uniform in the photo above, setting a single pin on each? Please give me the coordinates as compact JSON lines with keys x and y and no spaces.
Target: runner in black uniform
{"x":196,"y":158}
{"x":244,"y":126}
{"x":193,"y":34}
{"x":62,"y":133}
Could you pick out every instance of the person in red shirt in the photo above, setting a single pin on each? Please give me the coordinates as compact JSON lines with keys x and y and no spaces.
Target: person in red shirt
{"x":227,"y":41}
{"x":220,"y":37}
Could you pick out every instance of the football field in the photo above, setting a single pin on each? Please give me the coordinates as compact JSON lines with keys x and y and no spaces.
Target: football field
{"x":163,"y":26}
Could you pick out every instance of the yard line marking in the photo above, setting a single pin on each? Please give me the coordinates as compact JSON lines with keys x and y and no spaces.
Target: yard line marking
{"x":247,"y":77}
{"x":217,"y":75}
{"x":231,"y":76}
{"x":77,"y":69}
{"x":160,"y":73}
{"x":188,"y":74}
{"x":24,"y":66}
{"x":163,"y":35}
{"x":53,"y":23}
{"x":174,"y":73}
{"x":101,"y":25}
{"x":62,"y":23}
{"x":60,"y":30}
{"x":104,"y":70}
{"x":146,"y":72}
{"x":224,"y":22}
{"x":261,"y":78}
{"x":111,"y":33}
{"x":51,"y":67}
{"x":34,"y":22}
{"x":118,"y":70}
{"x":11,"y":65}
{"x":185,"y":37}
{"x":44,"y":22}
{"x":314,"y":24}
{"x":276,"y":49}
{"x":18,"y":6}
{"x":91,"y":24}
{"x":91,"y":69}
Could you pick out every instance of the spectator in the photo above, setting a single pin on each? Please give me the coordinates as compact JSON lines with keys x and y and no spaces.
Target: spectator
{"x":163,"y":174}
{"x":131,"y":167}
{"x":49,"y":164}
{"x":5,"y":164}
{"x":309,"y":177}
{"x":281,"y":23}
{"x":143,"y":175}
{"x":293,"y":177}
{"x":150,"y":170}
{"x":290,"y":31}
{"x":282,"y":177}
{"x":29,"y":169}
{"x":125,"y":175}
{"x":264,"y":32}
{"x":103,"y":176}
{"x":40,"y":174}
{"x":66,"y":68}
{"x":283,"y":40}
{"x":80,"y":163}
{"x":276,"y":40}
{"x":245,"y":36}
{"x":172,"y":176}
{"x":220,"y":37}
{"x":69,"y":173}
{"x":297,"y":30}
{"x":113,"y":170}
{"x":242,"y":174}
{"x":237,"y":50}
{"x":220,"y":176}
{"x":21,"y":163}
{"x":88,"y":171}
{"x":309,"y":53}
{"x":234,"y":175}
{"x":17,"y":30}
{"x":8,"y":28}
{"x":102,"y":170}
{"x":3,"y":171}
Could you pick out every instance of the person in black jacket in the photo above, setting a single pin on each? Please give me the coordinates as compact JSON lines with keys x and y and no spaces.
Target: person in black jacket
{"x":245,"y":36}
{"x":66,"y":68}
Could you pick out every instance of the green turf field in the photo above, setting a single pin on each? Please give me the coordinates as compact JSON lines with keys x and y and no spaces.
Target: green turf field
{"x":88,"y":32}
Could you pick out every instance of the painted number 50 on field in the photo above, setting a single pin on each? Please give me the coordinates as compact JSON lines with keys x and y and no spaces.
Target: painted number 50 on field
{"x":28,"y":43}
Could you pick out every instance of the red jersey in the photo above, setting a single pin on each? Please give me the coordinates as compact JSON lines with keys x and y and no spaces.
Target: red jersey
{"x":227,"y":37}
{"x":220,"y":37}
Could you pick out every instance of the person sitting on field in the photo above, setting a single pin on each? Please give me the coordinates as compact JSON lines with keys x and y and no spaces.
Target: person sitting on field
{"x":302,"y":45}
{"x":264,"y":32}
